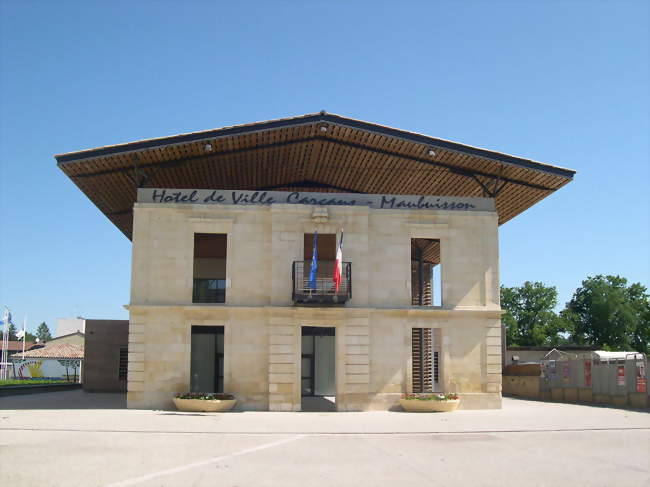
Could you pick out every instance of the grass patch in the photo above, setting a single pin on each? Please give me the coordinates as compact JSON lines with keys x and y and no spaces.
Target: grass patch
{"x":32,"y":382}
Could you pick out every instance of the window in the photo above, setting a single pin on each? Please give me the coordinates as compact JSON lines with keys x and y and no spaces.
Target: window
{"x":425,"y":351}
{"x":123,"y":365}
{"x":209,"y":268}
{"x":426,"y":278}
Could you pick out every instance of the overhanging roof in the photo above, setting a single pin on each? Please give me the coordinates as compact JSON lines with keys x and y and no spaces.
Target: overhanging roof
{"x":317,"y":152}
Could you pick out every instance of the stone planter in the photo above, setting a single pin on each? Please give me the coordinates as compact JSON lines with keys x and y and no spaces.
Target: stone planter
{"x":205,"y":405}
{"x":416,"y":406}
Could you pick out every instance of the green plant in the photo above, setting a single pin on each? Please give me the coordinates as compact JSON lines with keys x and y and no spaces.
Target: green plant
{"x":447,"y":396}
{"x":205,"y":396}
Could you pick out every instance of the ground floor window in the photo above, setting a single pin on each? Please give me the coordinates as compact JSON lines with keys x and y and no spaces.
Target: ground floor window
{"x":206,"y":361}
{"x":425,"y":349}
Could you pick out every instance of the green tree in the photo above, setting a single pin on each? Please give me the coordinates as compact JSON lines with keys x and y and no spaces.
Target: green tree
{"x":12,"y":332}
{"x":43,"y":333}
{"x":530,"y":319}
{"x":609,"y":314}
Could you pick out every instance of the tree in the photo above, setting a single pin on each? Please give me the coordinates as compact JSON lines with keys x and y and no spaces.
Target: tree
{"x":43,"y":333}
{"x":530,"y":318}
{"x":12,"y":332}
{"x":609,"y":314}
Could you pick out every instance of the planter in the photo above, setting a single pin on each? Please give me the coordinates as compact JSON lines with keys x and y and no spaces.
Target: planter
{"x":205,"y":405}
{"x":418,"y":406}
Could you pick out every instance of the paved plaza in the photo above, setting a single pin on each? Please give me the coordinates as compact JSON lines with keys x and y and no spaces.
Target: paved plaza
{"x":74,"y":438}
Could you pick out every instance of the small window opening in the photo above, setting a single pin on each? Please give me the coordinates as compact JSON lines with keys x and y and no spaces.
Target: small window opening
{"x":209,"y":268}
{"x":426,"y":359}
{"x":426,"y":276}
{"x":123,"y":364}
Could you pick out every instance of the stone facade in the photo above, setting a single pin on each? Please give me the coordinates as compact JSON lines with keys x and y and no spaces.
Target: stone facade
{"x":262,"y":327}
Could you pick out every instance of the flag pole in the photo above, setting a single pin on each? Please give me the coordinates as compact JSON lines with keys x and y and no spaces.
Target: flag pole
{"x":24,"y":332}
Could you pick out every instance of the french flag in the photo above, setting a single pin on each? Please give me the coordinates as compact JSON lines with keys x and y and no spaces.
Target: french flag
{"x":338,"y":265}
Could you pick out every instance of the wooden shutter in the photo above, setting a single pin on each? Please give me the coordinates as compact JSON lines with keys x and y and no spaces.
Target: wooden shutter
{"x":426,"y":285}
{"x":422,"y":360}
{"x":425,"y":348}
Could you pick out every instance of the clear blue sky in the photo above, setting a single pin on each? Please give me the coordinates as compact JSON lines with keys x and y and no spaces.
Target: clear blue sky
{"x":563,"y":83}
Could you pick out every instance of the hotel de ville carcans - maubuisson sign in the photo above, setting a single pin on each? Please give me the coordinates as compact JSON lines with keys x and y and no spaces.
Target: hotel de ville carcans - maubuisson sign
{"x":265,"y":198}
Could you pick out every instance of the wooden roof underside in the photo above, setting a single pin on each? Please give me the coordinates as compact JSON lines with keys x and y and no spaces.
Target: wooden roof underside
{"x":319,"y":152}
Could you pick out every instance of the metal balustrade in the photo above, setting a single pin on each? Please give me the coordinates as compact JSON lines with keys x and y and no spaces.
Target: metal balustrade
{"x":324,"y":292}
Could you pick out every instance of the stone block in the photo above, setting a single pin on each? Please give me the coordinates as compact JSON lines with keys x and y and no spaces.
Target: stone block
{"x":357,"y":350}
{"x":357,"y":388}
{"x":281,"y":358}
{"x":136,"y":386}
{"x":281,"y":378}
{"x":357,"y":340}
{"x":136,"y":357}
{"x":493,"y":369}
{"x":357,"y":378}
{"x":136,"y":337}
{"x":280,"y":349}
{"x":135,"y":376}
{"x":494,"y":331}
{"x":357,"y":359}
{"x":357,"y":330}
{"x":493,"y":341}
{"x":282,"y":330}
{"x":281,"y":368}
{"x":357,"y":369}
{"x":493,"y":360}
{"x":493,"y":350}
{"x":136,"y":366}
{"x":133,"y":328}
{"x":281,"y":339}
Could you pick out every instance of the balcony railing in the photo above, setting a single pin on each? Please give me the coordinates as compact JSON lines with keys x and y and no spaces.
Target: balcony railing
{"x":325,"y":290}
{"x":209,"y":291}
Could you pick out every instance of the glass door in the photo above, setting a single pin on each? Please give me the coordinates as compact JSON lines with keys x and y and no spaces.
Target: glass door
{"x":206,"y":361}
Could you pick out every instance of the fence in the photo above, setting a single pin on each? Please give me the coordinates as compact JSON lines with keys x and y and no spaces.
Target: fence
{"x":613,"y":378}
{"x":598,"y":377}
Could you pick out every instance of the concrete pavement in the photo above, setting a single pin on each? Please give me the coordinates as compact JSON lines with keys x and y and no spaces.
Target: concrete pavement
{"x":527,"y":442}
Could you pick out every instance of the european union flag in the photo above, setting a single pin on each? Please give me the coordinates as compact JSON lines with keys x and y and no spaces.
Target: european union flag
{"x":314,"y":262}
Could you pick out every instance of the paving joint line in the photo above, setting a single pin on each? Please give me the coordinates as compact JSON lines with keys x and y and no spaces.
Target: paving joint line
{"x":328,"y":433}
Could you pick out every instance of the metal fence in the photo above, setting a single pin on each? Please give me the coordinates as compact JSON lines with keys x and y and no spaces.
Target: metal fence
{"x":595,"y":378}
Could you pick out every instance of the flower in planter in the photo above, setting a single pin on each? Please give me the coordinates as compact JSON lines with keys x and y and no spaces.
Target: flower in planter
{"x":205,"y":396}
{"x":448,"y":396}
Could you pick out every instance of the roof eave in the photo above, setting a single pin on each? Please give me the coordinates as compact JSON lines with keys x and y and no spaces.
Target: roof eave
{"x":432,"y":142}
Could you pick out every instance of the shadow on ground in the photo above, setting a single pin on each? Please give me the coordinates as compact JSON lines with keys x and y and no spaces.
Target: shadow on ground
{"x":77,"y":399}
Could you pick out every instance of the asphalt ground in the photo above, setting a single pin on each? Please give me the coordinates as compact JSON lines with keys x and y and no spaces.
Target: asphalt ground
{"x":74,"y":438}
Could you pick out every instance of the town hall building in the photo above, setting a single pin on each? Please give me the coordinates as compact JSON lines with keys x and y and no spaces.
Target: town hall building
{"x":317,"y":259}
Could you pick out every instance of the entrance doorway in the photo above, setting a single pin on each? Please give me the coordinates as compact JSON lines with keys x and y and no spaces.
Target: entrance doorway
{"x":206,"y":361}
{"x":318,"y":369}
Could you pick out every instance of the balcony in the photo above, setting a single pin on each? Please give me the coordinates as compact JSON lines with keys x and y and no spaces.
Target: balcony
{"x":325,"y":291}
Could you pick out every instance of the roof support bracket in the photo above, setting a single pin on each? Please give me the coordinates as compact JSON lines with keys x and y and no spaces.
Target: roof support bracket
{"x":491,"y":188}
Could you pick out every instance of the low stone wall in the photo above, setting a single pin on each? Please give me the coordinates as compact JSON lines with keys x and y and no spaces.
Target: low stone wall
{"x":529,"y":387}
{"x":521,"y":386}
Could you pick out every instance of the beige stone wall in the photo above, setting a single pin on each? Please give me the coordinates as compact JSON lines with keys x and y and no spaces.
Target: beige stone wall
{"x":262,"y":327}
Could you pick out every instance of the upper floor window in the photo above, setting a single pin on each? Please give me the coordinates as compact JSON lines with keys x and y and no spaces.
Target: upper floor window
{"x":209,"y":268}
{"x":426,"y":278}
